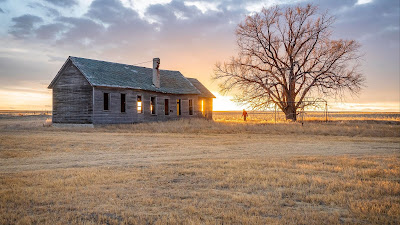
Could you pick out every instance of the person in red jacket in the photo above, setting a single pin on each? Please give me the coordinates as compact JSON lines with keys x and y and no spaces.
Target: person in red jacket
{"x":244,"y":114}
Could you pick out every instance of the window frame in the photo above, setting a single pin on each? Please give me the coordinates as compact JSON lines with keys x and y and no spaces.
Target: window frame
{"x":179,"y":107}
{"x":202,"y":107}
{"x":141,"y":104}
{"x":153,"y":107}
{"x":166,"y":107}
{"x":108,"y":101}
{"x":191,"y":107}
{"x":124,"y":102}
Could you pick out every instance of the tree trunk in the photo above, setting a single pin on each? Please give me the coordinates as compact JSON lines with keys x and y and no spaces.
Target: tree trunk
{"x":290,"y":112}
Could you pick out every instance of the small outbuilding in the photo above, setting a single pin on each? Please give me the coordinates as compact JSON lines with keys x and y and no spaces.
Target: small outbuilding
{"x":87,"y":91}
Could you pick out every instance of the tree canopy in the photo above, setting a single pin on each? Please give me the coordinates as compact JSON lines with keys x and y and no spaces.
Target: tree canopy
{"x":286,"y":55}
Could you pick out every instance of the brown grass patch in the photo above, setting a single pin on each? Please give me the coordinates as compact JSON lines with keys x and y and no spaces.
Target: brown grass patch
{"x":199,"y":172}
{"x":308,"y":190}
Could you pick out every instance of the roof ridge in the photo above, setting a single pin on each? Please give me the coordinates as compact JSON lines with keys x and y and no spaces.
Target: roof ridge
{"x":121,"y":63}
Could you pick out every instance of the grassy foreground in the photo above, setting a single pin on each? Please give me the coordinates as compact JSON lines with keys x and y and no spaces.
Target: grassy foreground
{"x":199,"y":172}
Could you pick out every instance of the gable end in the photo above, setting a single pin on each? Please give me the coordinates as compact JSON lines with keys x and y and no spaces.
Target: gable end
{"x":67,"y":63}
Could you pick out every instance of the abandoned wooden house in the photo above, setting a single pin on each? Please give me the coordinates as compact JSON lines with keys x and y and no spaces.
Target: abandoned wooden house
{"x":87,"y":91}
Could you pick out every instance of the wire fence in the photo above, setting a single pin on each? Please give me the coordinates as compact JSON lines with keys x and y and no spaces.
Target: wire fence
{"x":262,"y":116}
{"x":305,"y":116}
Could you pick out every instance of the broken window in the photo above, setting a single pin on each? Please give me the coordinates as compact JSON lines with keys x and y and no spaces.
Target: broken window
{"x":139,"y":104}
{"x":166,"y":106}
{"x":123,"y":102}
{"x":153,"y":105}
{"x":106,"y":99}
{"x":190,"y":106}
{"x":178,"y":107}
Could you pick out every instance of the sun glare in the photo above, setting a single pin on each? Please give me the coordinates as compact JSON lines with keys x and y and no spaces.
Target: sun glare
{"x":224,"y":103}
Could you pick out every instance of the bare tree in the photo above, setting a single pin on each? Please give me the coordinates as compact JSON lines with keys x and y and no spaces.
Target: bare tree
{"x":286,"y":55}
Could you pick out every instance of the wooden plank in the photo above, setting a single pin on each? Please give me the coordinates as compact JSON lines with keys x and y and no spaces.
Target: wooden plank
{"x":72,"y":97}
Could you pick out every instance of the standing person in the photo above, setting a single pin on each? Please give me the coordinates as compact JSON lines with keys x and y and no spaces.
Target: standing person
{"x":244,"y":114}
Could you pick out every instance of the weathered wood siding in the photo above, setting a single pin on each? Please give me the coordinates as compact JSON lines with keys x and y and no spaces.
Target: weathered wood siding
{"x":205,"y":106}
{"x":115,"y":116}
{"x":72,"y":97}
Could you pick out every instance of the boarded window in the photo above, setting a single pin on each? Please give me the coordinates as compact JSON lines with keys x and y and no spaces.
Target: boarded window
{"x":178,"y":107}
{"x":139,"y":104}
{"x":153,"y":105}
{"x":190,"y":106}
{"x":166,"y":106}
{"x":123,"y":102}
{"x":106,"y":99}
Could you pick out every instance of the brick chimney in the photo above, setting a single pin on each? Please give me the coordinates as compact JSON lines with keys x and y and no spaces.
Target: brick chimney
{"x":156,"y":72}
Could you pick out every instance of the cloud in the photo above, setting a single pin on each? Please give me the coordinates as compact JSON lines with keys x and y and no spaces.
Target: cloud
{"x":81,"y":31}
{"x":122,"y":25}
{"x":49,"y":31}
{"x":111,"y":12}
{"x":53,"y":58}
{"x":361,"y":21}
{"x":50,"y":12}
{"x":24,"y":25}
{"x":63,"y":3}
{"x":361,"y":2}
{"x":1,"y":11}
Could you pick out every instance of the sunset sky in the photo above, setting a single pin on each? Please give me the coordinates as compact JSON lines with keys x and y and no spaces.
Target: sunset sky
{"x":37,"y":36}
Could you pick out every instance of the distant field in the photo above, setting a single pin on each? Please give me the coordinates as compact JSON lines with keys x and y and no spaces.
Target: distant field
{"x":265,"y":116}
{"x":269,"y":117}
{"x":8,"y":113}
{"x":201,"y":172}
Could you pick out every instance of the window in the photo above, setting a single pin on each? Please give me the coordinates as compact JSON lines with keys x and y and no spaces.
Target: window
{"x":153,"y":105}
{"x":178,"y":107}
{"x":202,"y":107}
{"x":190,"y":106}
{"x":166,"y":106}
{"x":106,"y":99}
{"x":123,"y":102}
{"x":139,"y":104}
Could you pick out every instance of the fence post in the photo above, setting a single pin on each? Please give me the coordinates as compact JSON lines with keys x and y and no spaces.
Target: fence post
{"x":275,"y":113}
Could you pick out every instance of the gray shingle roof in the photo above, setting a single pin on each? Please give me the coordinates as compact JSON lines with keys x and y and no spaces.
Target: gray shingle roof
{"x":205,"y":93}
{"x":109,"y":74}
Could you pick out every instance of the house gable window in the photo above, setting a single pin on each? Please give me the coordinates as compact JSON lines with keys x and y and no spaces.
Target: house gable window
{"x":190,"y":106}
{"x":166,"y":107}
{"x":123,"y":102}
{"x":106,"y":101}
{"x":153,"y":105}
{"x":139,"y":104}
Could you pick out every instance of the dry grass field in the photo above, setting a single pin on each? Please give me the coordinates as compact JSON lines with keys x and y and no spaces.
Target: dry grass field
{"x":310,"y":116}
{"x":200,"y":172}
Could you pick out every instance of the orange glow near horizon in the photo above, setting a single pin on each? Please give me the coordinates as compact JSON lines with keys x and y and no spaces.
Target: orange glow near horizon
{"x":41,"y":101}
{"x":14,"y":100}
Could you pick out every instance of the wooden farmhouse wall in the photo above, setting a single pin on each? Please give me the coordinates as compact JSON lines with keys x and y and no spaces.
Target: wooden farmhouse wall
{"x":72,"y":97}
{"x":131,"y":115}
{"x":205,"y":105}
